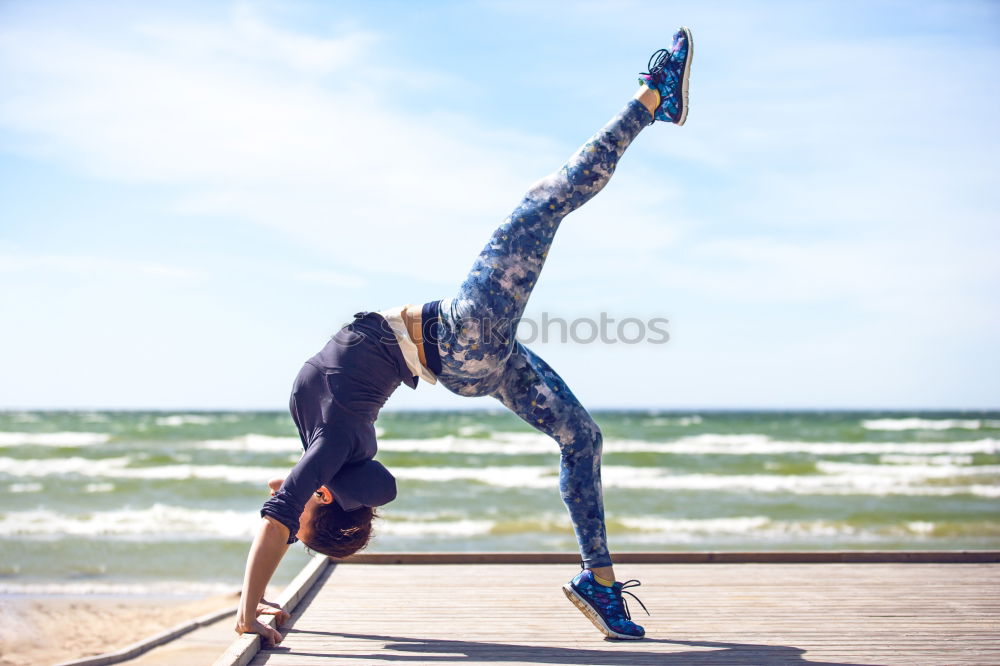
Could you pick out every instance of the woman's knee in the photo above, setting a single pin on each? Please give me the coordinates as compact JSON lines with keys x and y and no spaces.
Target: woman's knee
{"x":587,"y":441}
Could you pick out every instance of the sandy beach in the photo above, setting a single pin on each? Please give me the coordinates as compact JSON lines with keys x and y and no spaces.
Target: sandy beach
{"x":36,"y":630}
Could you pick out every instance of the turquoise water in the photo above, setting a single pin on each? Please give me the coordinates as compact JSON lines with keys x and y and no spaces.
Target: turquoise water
{"x":167,"y":502}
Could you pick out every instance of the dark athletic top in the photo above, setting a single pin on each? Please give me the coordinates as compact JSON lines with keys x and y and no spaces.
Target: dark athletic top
{"x":335,"y":400}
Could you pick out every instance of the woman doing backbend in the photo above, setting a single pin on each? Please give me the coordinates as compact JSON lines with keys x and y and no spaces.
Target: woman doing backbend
{"x":467,"y":343}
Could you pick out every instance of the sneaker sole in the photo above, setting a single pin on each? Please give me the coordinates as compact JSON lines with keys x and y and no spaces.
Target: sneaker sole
{"x":594,"y":616}
{"x":686,"y":77}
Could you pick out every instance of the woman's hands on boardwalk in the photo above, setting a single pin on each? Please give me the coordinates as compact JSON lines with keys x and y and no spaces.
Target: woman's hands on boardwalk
{"x":266,"y":607}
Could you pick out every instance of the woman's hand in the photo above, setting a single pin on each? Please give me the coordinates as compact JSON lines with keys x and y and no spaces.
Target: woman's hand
{"x":266,"y":607}
{"x":269,"y":635}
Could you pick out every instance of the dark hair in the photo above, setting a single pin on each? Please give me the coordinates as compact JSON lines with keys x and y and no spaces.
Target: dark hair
{"x":338,"y":533}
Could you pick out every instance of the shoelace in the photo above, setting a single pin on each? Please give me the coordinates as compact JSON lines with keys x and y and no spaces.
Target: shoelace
{"x":630,"y":583}
{"x":657,"y":64}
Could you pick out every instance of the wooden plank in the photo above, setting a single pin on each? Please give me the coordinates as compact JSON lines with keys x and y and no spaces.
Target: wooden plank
{"x":747,"y":613}
{"x":765,"y":557}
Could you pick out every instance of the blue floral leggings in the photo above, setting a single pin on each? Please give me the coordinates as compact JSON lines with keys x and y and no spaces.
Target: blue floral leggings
{"x":479,"y":352}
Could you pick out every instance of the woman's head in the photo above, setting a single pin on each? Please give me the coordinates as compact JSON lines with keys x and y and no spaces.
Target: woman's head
{"x":326,"y":528}
{"x":330,"y":530}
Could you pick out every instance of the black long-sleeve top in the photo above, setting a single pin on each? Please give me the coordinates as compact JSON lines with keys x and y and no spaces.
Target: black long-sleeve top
{"x":335,"y":400}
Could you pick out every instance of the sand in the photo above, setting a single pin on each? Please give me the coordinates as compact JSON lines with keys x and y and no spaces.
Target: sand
{"x":51,"y":629}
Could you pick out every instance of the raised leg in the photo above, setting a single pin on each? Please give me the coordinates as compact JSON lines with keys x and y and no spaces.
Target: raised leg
{"x":479,"y":323}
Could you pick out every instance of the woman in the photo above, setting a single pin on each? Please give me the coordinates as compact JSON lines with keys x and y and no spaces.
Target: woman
{"x":468,"y":344}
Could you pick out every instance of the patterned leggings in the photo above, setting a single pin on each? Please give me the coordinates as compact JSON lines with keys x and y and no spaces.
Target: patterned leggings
{"x":479,"y":352}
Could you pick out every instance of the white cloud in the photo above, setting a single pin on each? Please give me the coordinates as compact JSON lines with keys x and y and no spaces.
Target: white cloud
{"x":819,"y":167}
{"x":89,"y":265}
{"x":309,"y":135}
{"x":331,"y":278}
{"x":319,"y":144}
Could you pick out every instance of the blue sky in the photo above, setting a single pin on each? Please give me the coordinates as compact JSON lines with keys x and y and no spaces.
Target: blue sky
{"x":193,"y":196}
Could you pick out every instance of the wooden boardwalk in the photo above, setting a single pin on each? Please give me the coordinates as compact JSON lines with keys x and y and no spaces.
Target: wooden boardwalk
{"x":701,"y":614}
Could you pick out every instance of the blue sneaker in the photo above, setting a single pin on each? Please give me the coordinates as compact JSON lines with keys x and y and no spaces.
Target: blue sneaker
{"x":668,"y":74}
{"x":605,"y":606}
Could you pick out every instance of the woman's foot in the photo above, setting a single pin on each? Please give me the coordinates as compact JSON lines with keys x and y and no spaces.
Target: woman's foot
{"x":668,"y":75}
{"x":605,"y":606}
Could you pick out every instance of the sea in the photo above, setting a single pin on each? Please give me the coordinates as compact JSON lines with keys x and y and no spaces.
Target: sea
{"x":107,"y":502}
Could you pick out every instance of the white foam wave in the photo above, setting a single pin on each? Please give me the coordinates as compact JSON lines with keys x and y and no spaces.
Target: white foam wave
{"x":667,"y":529}
{"x":177,"y":420}
{"x":24,"y":417}
{"x":764,"y":528}
{"x":935,"y":478}
{"x":255,"y":444}
{"x":736,"y":525}
{"x":834,"y":479}
{"x":909,"y":472}
{"x":118,"y":468}
{"x":680,"y":421}
{"x":704,"y":444}
{"x":24,"y":487}
{"x":928,"y":424}
{"x":521,"y":443}
{"x":749,"y":444}
{"x":438,"y":528}
{"x":157,"y":520}
{"x":513,"y":476}
{"x":926,"y":460}
{"x":66,"y":439}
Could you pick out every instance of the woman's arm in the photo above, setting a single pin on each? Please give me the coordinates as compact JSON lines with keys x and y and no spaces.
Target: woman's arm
{"x":269,"y":546}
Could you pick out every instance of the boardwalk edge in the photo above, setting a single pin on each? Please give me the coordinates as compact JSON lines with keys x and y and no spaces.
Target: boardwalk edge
{"x":135,"y":649}
{"x":722,"y":557}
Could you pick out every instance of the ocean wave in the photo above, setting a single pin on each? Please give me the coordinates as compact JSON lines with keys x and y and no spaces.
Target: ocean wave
{"x":920,"y":477}
{"x":118,"y":468}
{"x":689,"y":530}
{"x":751,"y":444}
{"x":704,"y":444}
{"x":436,"y":528}
{"x":528,"y":443}
{"x":926,"y":460}
{"x":157,"y":520}
{"x":508,"y":476}
{"x":679,"y":421}
{"x":254,"y":443}
{"x":178,"y":420}
{"x":733,"y":525}
{"x":834,"y":479}
{"x":24,"y":487}
{"x":173,"y":523}
{"x":65,"y":439}
{"x":763,"y":527}
{"x":918,"y":471}
{"x":928,"y":424}
{"x":473,"y":430}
